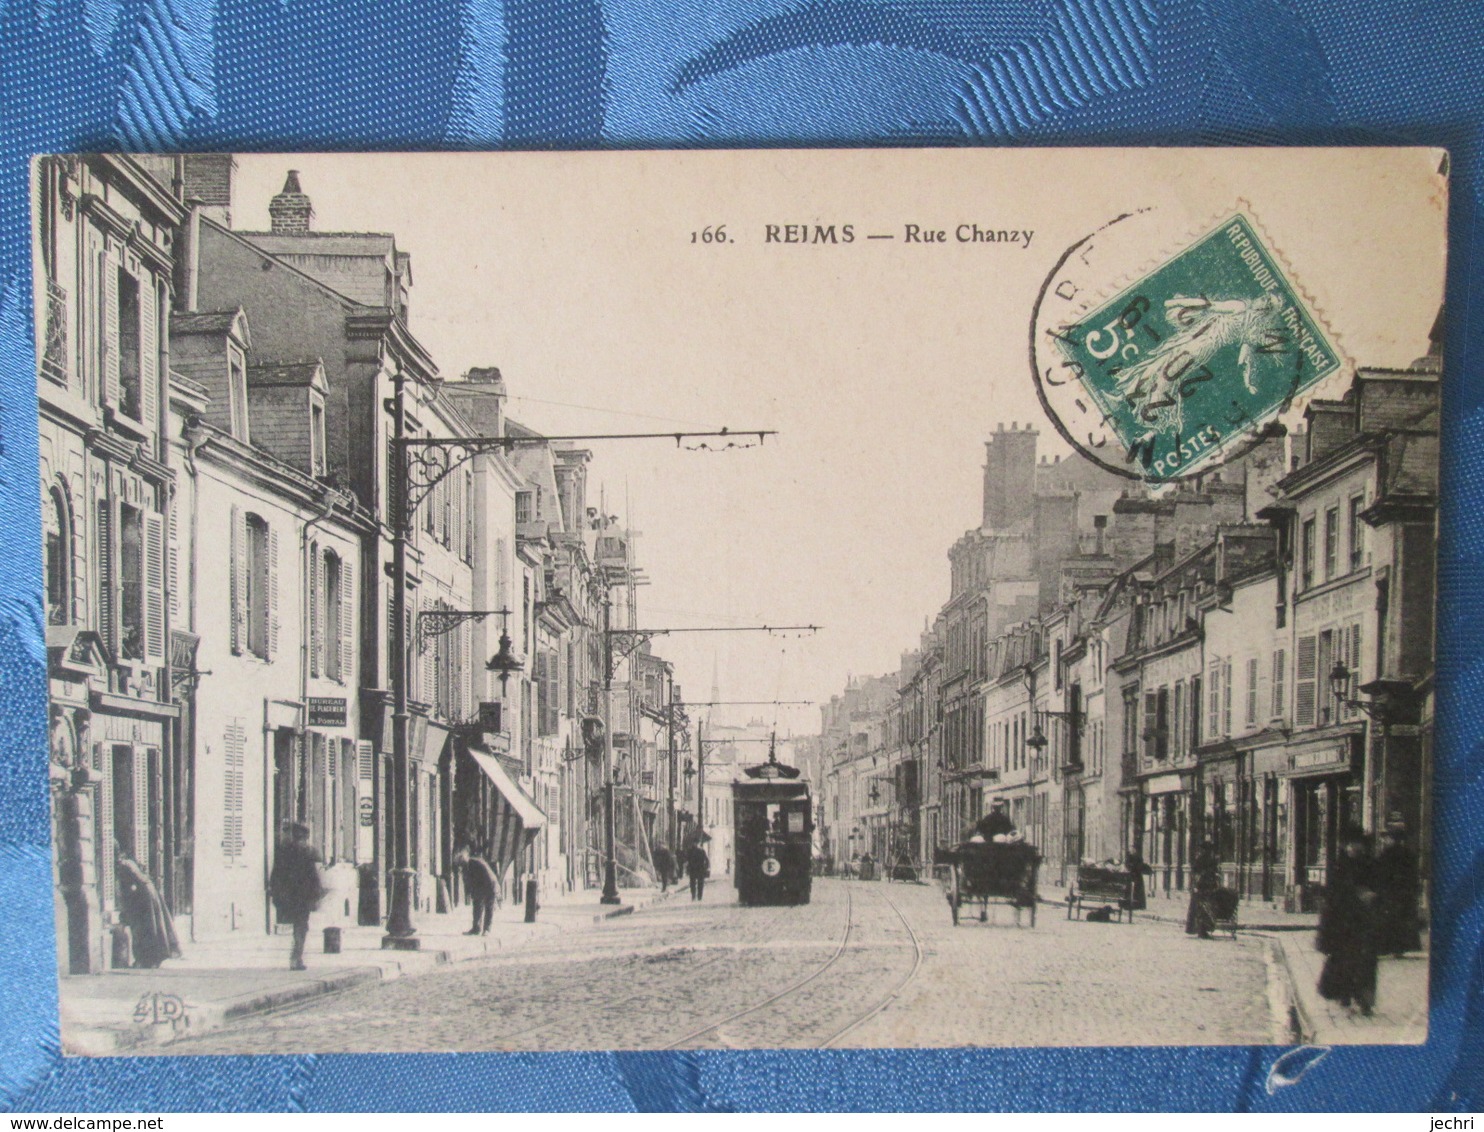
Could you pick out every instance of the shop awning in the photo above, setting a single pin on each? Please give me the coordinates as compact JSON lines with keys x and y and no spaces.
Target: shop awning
{"x":515,"y":816}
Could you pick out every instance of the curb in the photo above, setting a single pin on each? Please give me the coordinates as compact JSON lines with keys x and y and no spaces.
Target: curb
{"x":1301,"y":1026}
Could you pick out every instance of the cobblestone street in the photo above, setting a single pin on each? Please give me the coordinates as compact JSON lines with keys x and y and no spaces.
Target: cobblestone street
{"x":865,"y":964}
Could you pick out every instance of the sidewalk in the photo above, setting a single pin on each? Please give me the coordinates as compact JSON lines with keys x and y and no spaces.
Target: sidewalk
{"x":220,"y":980}
{"x":1400,"y":1016}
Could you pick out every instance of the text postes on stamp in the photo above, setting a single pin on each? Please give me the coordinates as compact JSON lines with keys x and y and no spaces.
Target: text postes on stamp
{"x":1189,"y":364}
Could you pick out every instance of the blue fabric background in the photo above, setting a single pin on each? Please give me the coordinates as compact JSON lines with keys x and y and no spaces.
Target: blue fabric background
{"x":387,"y":74}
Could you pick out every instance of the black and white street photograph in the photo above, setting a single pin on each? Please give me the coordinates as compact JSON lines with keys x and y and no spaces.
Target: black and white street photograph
{"x":740,"y":599}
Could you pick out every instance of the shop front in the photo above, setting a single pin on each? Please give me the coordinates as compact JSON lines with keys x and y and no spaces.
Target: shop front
{"x":1324,"y":796}
{"x":1167,"y":822}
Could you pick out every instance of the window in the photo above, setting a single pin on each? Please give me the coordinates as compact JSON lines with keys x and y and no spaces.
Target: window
{"x":254,"y":558}
{"x":58,"y":519}
{"x":131,"y":583}
{"x":1305,"y":689}
{"x":337,"y":644}
{"x":1130,"y":721}
{"x":1306,"y":555}
{"x":1357,"y":533}
{"x":130,"y":367}
{"x":237,"y":394}
{"x":523,"y":507}
{"x":1252,"y":692}
{"x":1179,"y":738}
{"x":1162,"y":724}
{"x":1325,"y":662}
{"x":1331,"y":542}
{"x":317,"y":439}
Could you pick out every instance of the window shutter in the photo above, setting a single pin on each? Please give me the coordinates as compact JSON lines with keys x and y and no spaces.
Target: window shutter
{"x":430,"y":663}
{"x":1280,"y":675}
{"x":1213,"y":706}
{"x":365,"y":760}
{"x":110,"y":336}
{"x":149,"y":359}
{"x":237,"y":581}
{"x":1151,"y":708}
{"x":172,"y":562}
{"x":1305,"y":686}
{"x":270,"y":607}
{"x":154,"y":588}
{"x":234,"y":744}
{"x":315,"y":567}
{"x":106,"y":604}
{"x":347,"y":626}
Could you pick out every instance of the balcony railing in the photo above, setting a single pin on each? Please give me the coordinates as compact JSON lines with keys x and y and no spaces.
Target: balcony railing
{"x":54,"y":347}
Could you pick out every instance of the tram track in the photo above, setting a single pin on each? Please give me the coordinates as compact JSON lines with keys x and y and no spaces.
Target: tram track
{"x":798,"y":984}
{"x":892,"y":996}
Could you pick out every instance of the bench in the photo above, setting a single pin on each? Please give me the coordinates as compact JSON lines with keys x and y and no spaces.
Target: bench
{"x":1102,"y":888}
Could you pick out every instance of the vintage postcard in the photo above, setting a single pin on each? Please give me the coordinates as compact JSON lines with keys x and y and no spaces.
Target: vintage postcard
{"x":883,"y":598}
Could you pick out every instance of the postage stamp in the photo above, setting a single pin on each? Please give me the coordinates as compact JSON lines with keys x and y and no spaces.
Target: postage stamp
{"x":1198,"y":356}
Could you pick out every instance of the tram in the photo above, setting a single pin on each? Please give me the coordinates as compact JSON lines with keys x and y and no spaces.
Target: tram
{"x":773,"y":824}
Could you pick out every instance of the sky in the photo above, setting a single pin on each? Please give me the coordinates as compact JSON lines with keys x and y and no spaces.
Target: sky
{"x":883,"y":365}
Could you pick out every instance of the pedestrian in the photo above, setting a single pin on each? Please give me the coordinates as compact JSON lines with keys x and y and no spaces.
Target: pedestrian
{"x":1204,"y":881}
{"x":1347,"y":926}
{"x":481,"y":886}
{"x":1396,"y":893}
{"x":1133,"y":863}
{"x":295,"y":886}
{"x":996,"y":823}
{"x":664,"y":865}
{"x":151,"y":933}
{"x":698,"y":867}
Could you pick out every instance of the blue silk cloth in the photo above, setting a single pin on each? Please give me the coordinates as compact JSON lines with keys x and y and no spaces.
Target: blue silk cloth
{"x":307,"y":74}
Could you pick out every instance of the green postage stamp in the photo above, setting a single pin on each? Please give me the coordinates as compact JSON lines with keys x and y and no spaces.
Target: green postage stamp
{"x":1197,"y":357}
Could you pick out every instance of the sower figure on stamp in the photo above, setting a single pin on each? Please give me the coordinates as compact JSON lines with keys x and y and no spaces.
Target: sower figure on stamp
{"x":482,"y":888}
{"x":698,"y":866}
{"x":664,"y":865}
{"x":295,"y":886}
{"x":1347,"y":926}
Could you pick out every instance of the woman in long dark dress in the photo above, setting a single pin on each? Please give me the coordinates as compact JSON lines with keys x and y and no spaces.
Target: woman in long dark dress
{"x":144,"y":914}
{"x":1396,"y":895}
{"x":1205,"y":879}
{"x":1347,"y":927}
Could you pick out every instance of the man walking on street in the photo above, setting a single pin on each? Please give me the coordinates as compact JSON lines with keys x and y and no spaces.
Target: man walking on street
{"x":698,"y":866}
{"x":295,"y":886}
{"x":664,"y":865}
{"x":481,"y":886}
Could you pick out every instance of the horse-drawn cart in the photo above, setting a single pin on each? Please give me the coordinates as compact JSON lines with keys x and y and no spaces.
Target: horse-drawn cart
{"x":981,"y":872}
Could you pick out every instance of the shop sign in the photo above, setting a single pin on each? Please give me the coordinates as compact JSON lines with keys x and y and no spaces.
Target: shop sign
{"x":326,"y":711}
{"x":368,"y":812}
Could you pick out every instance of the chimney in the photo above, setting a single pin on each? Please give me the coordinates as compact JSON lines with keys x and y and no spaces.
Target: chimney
{"x":290,"y":211}
{"x":207,"y":177}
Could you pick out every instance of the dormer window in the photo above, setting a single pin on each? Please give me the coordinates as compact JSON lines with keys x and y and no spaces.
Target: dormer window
{"x":237,"y":393}
{"x":316,"y":438}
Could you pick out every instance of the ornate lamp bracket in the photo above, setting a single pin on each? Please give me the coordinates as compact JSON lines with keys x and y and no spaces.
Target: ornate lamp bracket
{"x":440,"y":622}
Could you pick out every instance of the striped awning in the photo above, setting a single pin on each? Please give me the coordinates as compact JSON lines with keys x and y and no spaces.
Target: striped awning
{"x":515,"y":818}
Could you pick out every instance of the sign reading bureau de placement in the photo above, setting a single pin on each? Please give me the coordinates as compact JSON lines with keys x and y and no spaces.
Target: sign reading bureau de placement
{"x":326,"y":711}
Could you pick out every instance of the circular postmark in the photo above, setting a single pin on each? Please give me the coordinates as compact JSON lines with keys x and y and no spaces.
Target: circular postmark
{"x":1167,"y":371}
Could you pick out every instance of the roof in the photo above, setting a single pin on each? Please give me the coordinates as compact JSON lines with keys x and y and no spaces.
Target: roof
{"x":204,"y":322}
{"x":284,"y":373}
{"x":371,"y":244}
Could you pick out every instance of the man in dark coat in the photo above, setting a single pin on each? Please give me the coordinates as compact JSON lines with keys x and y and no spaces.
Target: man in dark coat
{"x":1133,"y":863}
{"x":1205,"y":879}
{"x":996,"y":823}
{"x":481,"y":886}
{"x":1396,"y":894}
{"x":698,"y":866}
{"x":144,"y":914}
{"x":1347,"y":926}
{"x":296,"y":887}
{"x":664,"y":865}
